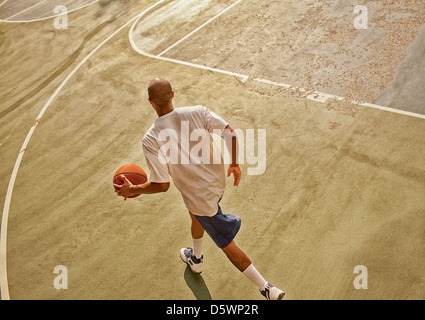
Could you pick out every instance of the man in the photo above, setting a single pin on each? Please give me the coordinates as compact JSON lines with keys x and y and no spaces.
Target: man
{"x":169,"y":150}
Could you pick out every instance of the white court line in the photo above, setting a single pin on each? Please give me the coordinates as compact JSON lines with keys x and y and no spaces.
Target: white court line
{"x":323,"y":97}
{"x":375,"y":106}
{"x":284,"y":85}
{"x":3,"y":239}
{"x":243,"y":77}
{"x":33,"y":6}
{"x":3,"y":2}
{"x":45,"y":18}
{"x":199,"y":28}
{"x":313,"y":95}
{"x":310,"y":95}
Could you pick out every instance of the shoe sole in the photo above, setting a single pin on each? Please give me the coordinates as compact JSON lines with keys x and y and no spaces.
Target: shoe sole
{"x":189,"y":265}
{"x":281,"y":296}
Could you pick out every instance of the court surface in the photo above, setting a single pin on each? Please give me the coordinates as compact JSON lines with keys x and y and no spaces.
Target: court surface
{"x":343,"y":110}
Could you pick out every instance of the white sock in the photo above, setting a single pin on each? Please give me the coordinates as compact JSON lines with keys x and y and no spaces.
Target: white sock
{"x":197,"y":247}
{"x":252,"y":274}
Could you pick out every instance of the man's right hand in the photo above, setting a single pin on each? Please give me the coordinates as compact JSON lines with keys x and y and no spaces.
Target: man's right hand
{"x":124,"y":190}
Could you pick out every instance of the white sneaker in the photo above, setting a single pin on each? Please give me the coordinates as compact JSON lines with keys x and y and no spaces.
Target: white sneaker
{"x":272,"y":293}
{"x":186,"y":254}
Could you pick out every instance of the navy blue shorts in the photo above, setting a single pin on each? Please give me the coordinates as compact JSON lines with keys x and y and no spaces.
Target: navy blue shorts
{"x":222,"y":228}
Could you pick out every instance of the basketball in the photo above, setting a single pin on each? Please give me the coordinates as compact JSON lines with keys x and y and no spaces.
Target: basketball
{"x":132,"y":172}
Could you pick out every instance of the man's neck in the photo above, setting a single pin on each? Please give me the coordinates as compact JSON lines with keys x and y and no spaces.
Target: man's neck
{"x":164,"y":111}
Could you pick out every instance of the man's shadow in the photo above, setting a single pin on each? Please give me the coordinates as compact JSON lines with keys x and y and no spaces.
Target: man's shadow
{"x":196,"y":284}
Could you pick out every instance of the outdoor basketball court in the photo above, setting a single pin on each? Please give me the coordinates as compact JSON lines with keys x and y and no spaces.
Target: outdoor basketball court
{"x":343,"y":109}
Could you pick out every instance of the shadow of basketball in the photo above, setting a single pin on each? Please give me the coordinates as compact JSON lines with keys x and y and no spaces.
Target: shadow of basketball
{"x":196,"y":283}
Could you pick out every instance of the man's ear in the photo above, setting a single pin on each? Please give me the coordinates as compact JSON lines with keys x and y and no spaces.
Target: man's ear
{"x":173,"y":94}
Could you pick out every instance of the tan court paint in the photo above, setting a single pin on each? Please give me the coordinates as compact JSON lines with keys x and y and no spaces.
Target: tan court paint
{"x":343,"y":186}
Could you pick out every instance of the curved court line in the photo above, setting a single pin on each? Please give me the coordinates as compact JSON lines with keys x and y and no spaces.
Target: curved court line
{"x":313,"y":95}
{"x":3,"y":239}
{"x":199,"y":28}
{"x":45,"y":18}
{"x":3,"y":2}
{"x":243,"y":77}
{"x":25,"y":10}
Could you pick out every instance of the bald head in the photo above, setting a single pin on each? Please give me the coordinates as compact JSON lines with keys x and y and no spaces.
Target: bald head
{"x":160,"y":92}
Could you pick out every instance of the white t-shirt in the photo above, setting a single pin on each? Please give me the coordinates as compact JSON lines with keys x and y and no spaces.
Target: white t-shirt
{"x":179,"y":144}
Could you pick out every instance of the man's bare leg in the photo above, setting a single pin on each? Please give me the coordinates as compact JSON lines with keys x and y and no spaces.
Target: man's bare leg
{"x":243,"y":263}
{"x":193,"y":256}
{"x":196,"y":228}
{"x":239,"y":259}
{"x":237,"y":256}
{"x":197,"y":236}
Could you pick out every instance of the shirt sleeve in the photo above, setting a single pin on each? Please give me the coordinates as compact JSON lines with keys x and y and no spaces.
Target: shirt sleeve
{"x":213,"y":121}
{"x":158,"y":171}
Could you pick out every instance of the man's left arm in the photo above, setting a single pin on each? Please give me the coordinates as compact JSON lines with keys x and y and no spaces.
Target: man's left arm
{"x":231,"y":140}
{"x":213,"y":122}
